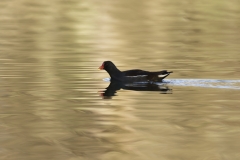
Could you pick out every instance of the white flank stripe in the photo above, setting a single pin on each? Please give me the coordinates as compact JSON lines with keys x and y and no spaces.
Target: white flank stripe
{"x":137,"y":76}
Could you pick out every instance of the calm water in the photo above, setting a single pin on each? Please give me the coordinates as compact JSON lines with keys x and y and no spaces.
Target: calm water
{"x":54,"y":104}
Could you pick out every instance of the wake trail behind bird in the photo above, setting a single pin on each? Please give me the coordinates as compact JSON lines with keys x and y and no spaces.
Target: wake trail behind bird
{"x":208,"y":83}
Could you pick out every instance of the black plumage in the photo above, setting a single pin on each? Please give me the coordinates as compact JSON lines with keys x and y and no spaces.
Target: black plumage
{"x":135,"y":75}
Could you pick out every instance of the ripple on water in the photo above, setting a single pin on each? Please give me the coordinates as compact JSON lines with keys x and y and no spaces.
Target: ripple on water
{"x":208,"y":83}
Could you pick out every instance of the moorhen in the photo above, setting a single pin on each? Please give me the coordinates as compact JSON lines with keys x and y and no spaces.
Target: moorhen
{"x":131,"y":76}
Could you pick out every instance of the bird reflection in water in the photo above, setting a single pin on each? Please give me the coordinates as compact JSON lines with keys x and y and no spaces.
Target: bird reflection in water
{"x":114,"y":86}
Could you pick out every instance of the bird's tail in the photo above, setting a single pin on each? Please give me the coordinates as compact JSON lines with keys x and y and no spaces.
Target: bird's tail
{"x":163,"y":74}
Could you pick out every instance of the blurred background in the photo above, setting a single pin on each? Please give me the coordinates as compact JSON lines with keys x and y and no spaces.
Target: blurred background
{"x":50,"y":52}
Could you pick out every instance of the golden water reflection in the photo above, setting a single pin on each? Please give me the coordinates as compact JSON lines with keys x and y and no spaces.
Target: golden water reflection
{"x":49,"y":82}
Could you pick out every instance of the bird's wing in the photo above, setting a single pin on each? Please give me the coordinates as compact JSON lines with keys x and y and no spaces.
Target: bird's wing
{"x":136,"y":72}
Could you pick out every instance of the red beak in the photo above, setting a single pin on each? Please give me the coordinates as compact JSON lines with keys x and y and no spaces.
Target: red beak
{"x":101,"y":67}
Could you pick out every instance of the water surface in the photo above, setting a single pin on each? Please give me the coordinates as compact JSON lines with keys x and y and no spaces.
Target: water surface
{"x":51,"y":92}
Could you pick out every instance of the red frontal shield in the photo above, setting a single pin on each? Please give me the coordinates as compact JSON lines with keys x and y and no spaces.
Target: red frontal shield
{"x":101,"y":67}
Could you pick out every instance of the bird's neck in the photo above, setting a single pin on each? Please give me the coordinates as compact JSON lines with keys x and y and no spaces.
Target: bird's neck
{"x":114,"y":72}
